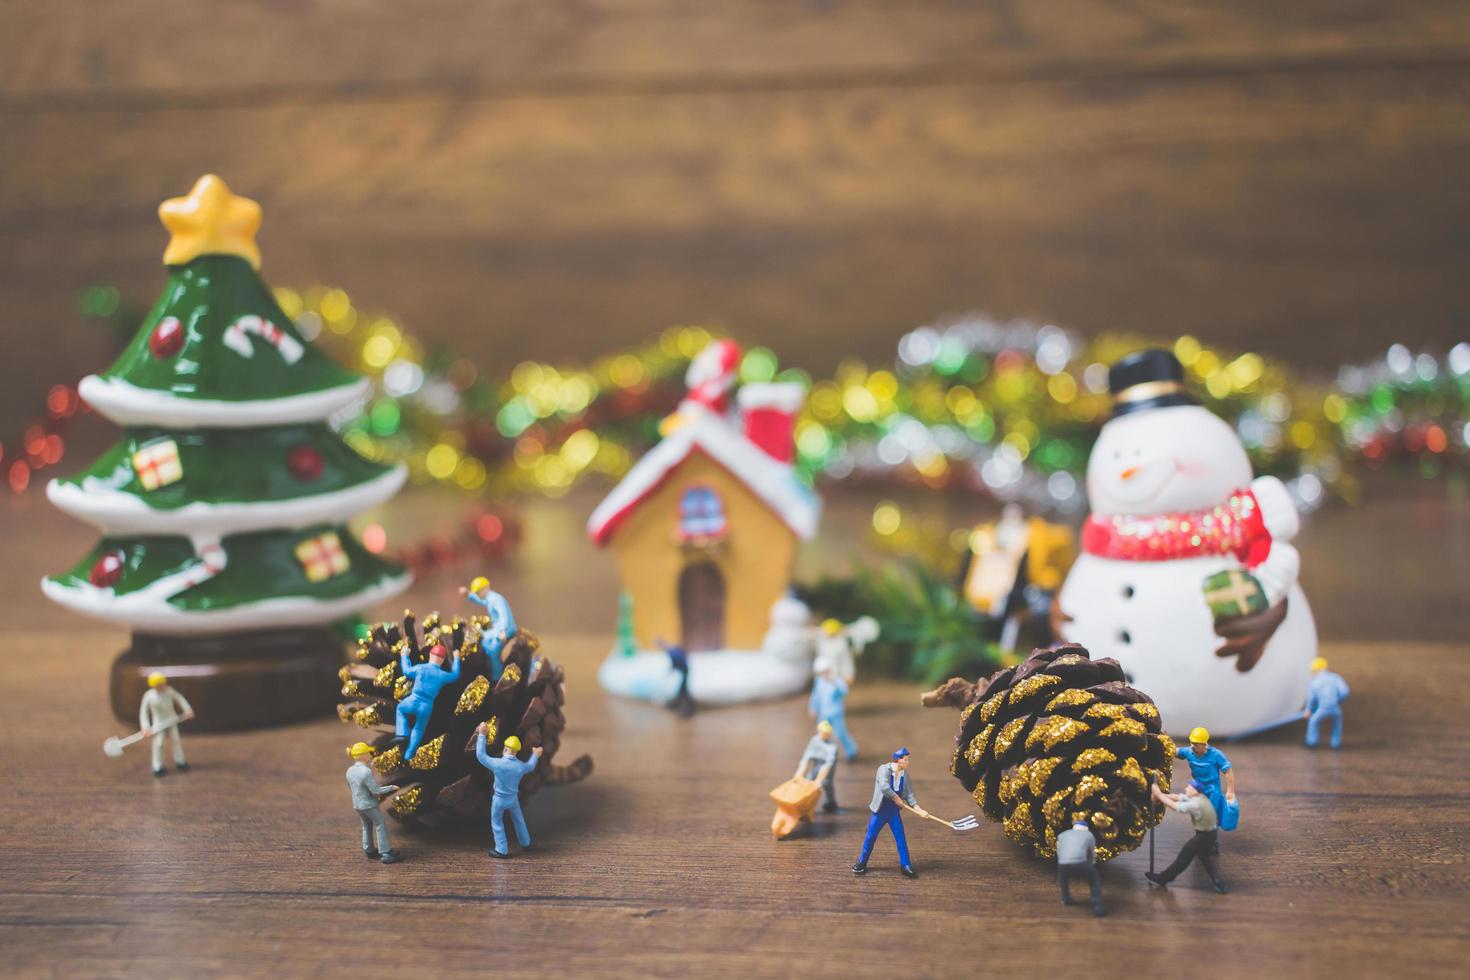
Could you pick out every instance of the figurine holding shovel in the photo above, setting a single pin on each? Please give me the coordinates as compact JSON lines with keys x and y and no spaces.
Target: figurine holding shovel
{"x":162,"y":712}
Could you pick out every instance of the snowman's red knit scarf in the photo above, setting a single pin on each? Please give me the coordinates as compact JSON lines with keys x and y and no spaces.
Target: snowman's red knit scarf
{"x":1233,"y":528}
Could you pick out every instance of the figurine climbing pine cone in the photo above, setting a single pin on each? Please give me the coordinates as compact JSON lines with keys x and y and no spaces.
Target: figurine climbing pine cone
{"x":443,"y":783}
{"x":1060,"y":738}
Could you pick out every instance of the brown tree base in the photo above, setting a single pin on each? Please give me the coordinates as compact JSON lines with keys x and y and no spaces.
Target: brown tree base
{"x":237,"y":680}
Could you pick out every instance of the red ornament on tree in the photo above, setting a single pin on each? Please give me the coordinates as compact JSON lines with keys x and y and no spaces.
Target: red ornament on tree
{"x":107,"y":570}
{"x":305,"y":463}
{"x":167,"y":339}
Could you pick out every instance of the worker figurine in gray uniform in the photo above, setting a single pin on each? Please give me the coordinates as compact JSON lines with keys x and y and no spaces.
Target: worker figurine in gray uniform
{"x":1205,"y":843}
{"x":366,"y":795}
{"x":162,"y":712}
{"x":507,"y":773}
{"x":819,"y":764}
{"x":1077,"y":857}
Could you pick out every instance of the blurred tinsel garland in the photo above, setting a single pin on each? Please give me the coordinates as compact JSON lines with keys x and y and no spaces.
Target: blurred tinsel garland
{"x":1008,"y":409}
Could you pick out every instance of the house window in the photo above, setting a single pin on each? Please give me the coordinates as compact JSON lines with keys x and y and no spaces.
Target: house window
{"x":701,"y":514}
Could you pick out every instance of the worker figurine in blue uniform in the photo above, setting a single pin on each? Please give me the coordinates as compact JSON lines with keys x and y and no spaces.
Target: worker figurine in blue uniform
{"x":829,"y":703}
{"x":428,"y":680}
{"x":1209,"y":767}
{"x":507,"y":773}
{"x":892,"y":793}
{"x":682,"y":703}
{"x":502,"y":622}
{"x":1325,"y":696}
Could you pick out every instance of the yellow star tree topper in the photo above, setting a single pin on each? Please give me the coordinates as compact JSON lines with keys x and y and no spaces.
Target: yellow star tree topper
{"x":212,"y":220}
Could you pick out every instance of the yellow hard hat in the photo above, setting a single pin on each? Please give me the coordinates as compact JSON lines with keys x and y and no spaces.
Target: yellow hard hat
{"x":1319,"y":663}
{"x":513,"y":743}
{"x":1199,"y":736}
{"x":831,"y":627}
{"x":825,"y":727}
{"x":360,"y":748}
{"x":156,"y":679}
{"x":479,"y":582}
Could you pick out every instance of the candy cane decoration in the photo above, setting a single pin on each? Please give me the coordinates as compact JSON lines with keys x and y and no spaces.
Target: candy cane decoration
{"x":237,"y":338}
{"x":212,"y":561}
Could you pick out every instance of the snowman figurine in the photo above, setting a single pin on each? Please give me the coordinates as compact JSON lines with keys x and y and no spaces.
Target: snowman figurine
{"x":1186,"y":576}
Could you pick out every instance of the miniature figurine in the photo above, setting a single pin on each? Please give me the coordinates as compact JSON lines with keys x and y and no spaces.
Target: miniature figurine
{"x":1205,"y":843}
{"x":819,"y":764}
{"x":1209,"y":766}
{"x":837,"y":645}
{"x":162,"y":712}
{"x":428,"y":680}
{"x":502,"y":622}
{"x":507,"y":773}
{"x":1187,"y":576}
{"x":366,"y":795}
{"x":1325,"y":696}
{"x":829,"y":703}
{"x":1077,"y":856}
{"x":1012,"y":570}
{"x":892,"y":792}
{"x":681,"y":703}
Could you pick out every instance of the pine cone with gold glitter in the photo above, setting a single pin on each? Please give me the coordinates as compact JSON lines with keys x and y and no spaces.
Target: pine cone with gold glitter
{"x":1060,"y":738}
{"x":444,"y":783}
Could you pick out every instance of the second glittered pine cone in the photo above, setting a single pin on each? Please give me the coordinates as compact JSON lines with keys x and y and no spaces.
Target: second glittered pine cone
{"x":444,"y":782}
{"x":1060,"y":738}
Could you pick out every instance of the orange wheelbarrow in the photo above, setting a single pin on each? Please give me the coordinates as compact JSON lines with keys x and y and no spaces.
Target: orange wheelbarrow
{"x":796,"y":800}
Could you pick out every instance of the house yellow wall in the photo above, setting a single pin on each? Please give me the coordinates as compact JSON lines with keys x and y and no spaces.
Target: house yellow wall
{"x":755,"y":558}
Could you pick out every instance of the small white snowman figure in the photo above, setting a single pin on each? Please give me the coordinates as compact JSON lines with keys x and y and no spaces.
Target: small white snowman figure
{"x":1186,"y":576}
{"x":789,"y":636}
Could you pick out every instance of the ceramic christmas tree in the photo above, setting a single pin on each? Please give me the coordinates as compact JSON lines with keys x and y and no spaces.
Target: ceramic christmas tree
{"x":1186,"y":576}
{"x":221,"y":509}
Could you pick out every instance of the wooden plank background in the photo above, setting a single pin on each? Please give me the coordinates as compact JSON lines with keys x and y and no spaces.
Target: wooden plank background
{"x":525,"y":178}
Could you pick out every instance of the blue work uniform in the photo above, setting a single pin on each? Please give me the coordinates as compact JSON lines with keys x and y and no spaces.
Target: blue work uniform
{"x":829,"y":703}
{"x":507,"y":772}
{"x":500,"y":631}
{"x":890,"y":787}
{"x":1325,"y":696}
{"x":1206,"y":770}
{"x":428,"y":681}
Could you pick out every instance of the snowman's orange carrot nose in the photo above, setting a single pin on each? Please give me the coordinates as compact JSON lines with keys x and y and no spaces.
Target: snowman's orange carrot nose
{"x":1129,"y":473}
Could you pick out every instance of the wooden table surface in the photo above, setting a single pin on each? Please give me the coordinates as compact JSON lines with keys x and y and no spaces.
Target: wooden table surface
{"x":661,"y":864}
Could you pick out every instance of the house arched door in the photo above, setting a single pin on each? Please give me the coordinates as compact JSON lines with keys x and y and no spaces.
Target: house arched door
{"x":702,"y":607}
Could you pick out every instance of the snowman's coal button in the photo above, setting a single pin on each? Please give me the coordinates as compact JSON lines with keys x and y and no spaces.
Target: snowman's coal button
{"x":1123,"y":637}
{"x":1128,"y":592}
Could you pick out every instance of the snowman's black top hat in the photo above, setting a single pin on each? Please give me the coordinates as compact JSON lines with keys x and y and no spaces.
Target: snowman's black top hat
{"x":1147,"y":379}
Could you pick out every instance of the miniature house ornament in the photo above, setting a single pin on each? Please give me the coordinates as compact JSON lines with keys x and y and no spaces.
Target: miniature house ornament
{"x":222,"y":507}
{"x":1187,"y":577}
{"x":704,"y":530}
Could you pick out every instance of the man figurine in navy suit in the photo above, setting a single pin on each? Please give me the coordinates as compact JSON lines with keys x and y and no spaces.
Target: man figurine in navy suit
{"x":892,"y":794}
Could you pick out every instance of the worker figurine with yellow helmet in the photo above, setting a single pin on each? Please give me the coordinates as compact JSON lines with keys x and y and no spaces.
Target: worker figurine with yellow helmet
{"x":162,"y":712}
{"x":366,"y":795}
{"x":502,"y":622}
{"x":1209,"y":767}
{"x":819,"y":764}
{"x":507,"y":773}
{"x":837,"y":645}
{"x":1325,"y":695}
